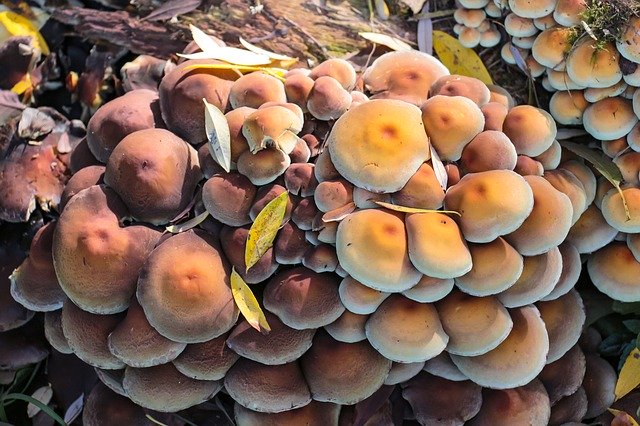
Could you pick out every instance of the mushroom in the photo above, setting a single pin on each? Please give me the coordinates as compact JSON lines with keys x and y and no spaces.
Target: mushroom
{"x":494,"y":115}
{"x":233,"y":242}
{"x":314,"y":413}
{"x":421,"y":191}
{"x":551,"y":47}
{"x":321,"y":258}
{"x":328,"y":100}
{"x":348,"y":328}
{"x":235,"y":120}
{"x":519,"y":26}
{"x":429,"y":289}
{"x":569,"y":12}
{"x":593,"y":65}
{"x":273,"y":126}
{"x":566,"y":182}
{"x":103,"y":403}
{"x":489,"y":150}
{"x":599,"y":384}
{"x":290,"y":245}
{"x":532,"y":130}
{"x":238,"y":194}
{"x":264,"y":166}
{"x":610,"y":118}
{"x":459,"y":85}
{"x":442,"y":366}
{"x":208,"y":360}
{"x":527,"y":166}
{"x":254,"y":89}
{"x":614,"y":271}
{"x":82,"y":179}
{"x":570,"y":410}
{"x":564,"y":318}
{"x":297,"y":88}
{"x":591,"y":232}
{"x":53,"y":332}
{"x":613,"y":209}
{"x":401,"y":372}
{"x":564,"y":376}
{"x":358,"y":298}
{"x":585,"y":176}
{"x":568,"y":107}
{"x":571,"y":268}
{"x":339,"y":69}
{"x":333,"y":194}
{"x":629,"y":165}
{"x":550,"y":159}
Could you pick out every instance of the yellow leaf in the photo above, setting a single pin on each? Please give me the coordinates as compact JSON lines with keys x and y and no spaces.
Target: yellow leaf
{"x":404,"y":209}
{"x":382,"y":9}
{"x":23,"y":85}
{"x":248,"y":304}
{"x":233,"y":55}
{"x":386,"y":40}
{"x":264,"y":229}
{"x":629,"y":375}
{"x":16,"y":25}
{"x":459,"y":59}
{"x":276,"y":72}
{"x":630,"y":419}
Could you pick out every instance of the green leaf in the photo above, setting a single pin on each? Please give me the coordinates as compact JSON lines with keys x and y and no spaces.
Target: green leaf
{"x":248,"y":304}
{"x":218,"y":135}
{"x":603,"y":164}
{"x":264,"y":229}
{"x":629,"y":377}
{"x":633,"y":325}
{"x":459,"y":59}
{"x":191,"y":223}
{"x":625,"y":308}
{"x":48,"y":410}
{"x":404,"y":209}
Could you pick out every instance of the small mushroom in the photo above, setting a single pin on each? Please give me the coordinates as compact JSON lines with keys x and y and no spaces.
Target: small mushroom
{"x":208,"y":360}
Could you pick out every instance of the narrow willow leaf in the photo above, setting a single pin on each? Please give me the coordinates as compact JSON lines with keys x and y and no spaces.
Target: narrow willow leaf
{"x":218,"y":135}
{"x":459,"y":59}
{"x":191,"y":223}
{"x":42,"y":394}
{"x":382,"y":10}
{"x":154,"y":421}
{"x":386,"y":40}
{"x":629,"y":377}
{"x":261,"y":51}
{"x":425,"y":32}
{"x":404,"y":209}
{"x":336,"y":215}
{"x":248,"y":304}
{"x":264,"y":229}
{"x":630,"y":420}
{"x":232,"y":55}
{"x":17,"y":25}
{"x":438,"y":168}
{"x":74,"y":410}
{"x":47,"y":410}
{"x":603,"y":164}
{"x":565,"y":133}
{"x":276,"y":72}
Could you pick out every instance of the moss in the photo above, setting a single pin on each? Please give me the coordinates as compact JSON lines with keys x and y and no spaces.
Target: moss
{"x":608,"y":19}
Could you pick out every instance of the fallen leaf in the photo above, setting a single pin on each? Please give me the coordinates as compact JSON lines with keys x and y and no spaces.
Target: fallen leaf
{"x":264,"y":229}
{"x":382,"y":10}
{"x":336,"y":215}
{"x":275,"y":72}
{"x":629,"y":377}
{"x":248,"y":304}
{"x":35,"y":123}
{"x":261,"y":51}
{"x":404,"y":209}
{"x":218,"y":135}
{"x":627,"y":416}
{"x":42,"y":394}
{"x":386,"y":40}
{"x":172,"y":8}
{"x":424,"y":34}
{"x":191,"y":223}
{"x":415,"y":5}
{"x":233,"y":55}
{"x":74,"y":410}
{"x":565,"y":133}
{"x":438,"y":168}
{"x":459,"y":59}
{"x":16,"y":25}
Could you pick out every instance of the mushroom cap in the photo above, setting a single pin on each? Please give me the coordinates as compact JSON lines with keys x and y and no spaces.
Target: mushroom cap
{"x":568,"y":106}
{"x":593,"y":94}
{"x":564,"y":318}
{"x":53,"y":332}
{"x":530,"y":129}
{"x":494,"y":115}
{"x":184,"y":289}
{"x":34,"y":283}
{"x":460,"y":85}
{"x":103,"y":403}
{"x":633,"y":241}
{"x":267,"y":388}
{"x":501,"y":95}
{"x":545,"y":22}
{"x":348,"y":328}
{"x":254,"y":89}
{"x":536,"y":9}
{"x":297,"y":88}
{"x":527,"y":404}
{"x":548,"y":223}
{"x":591,"y":232}
{"x":633,"y":137}
{"x":401,"y":372}
{"x":630,"y":39}
{"x":235,"y":120}
{"x":475,"y":325}
{"x":22,"y":346}
{"x":339,"y":69}
{"x":358,"y":298}
{"x":273,"y":125}
{"x":492,"y":203}
{"x":539,"y":276}
{"x":629,"y":165}
{"x":519,"y":26}
{"x":560,"y":80}
{"x":380,"y":238}
{"x":368,"y":156}
{"x":155,"y":173}
{"x":599,"y":384}
{"x":526,"y":166}
{"x":328,"y":100}
{"x":429,"y":289}
{"x":614,"y":271}
{"x":436,"y":400}
{"x":436,"y":245}
{"x":264,"y":166}
{"x":569,"y":12}
{"x":301,"y":152}
{"x":566,"y":182}
{"x":551,"y":47}
{"x":496,"y":267}
{"x":571,"y":269}
{"x":112,"y":379}
{"x":613,"y":210}
{"x":451,"y":122}
{"x":405,"y":75}
{"x":333,"y":194}
{"x":517,"y":360}
{"x":89,"y":247}
{"x":290,"y":245}
{"x":570,"y":410}
{"x":564,"y":376}
{"x":595,"y":66}
{"x":313,"y":414}
{"x":404,"y":330}
{"x":470,"y":18}
{"x":12,"y":313}
{"x":165,"y":389}
{"x":281,"y":345}
{"x":491,"y":37}
{"x":87,"y":334}
{"x":304,"y":213}
{"x":208,"y":360}
{"x":82,"y":179}
{"x":550,"y":159}
{"x":422,"y":191}
{"x":133,"y":111}
{"x":233,"y":242}
{"x":609,"y":118}
{"x":343,"y":373}
{"x":181,"y":92}
{"x":137,"y":344}
{"x":238,"y":194}
{"x":321,"y":257}
{"x":442,"y":366}
{"x":300,"y":179}
{"x":614,"y":147}
{"x":489,"y":150}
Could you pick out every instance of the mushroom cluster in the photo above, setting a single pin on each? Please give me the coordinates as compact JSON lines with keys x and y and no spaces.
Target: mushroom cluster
{"x":426,"y":244}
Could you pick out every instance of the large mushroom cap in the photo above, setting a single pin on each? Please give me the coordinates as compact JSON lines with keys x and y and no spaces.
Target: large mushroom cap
{"x":532,"y":130}
{"x":104,"y":407}
{"x":568,"y":106}
{"x":313,"y":414}
{"x":163,"y":388}
{"x":489,"y":150}
{"x":404,"y":330}
{"x":517,"y":360}
{"x":368,"y":155}
{"x":593,"y":65}
{"x":372,"y":247}
{"x":491,"y":204}
{"x":208,"y":360}
{"x":254,"y":89}
{"x":405,"y":75}
{"x":238,"y":194}
{"x":184,"y":289}
{"x":460,"y":85}
{"x":551,"y":47}
{"x":609,"y":118}
{"x":614,"y":271}
{"x":475,"y":325}
{"x":82,"y":179}
{"x":564,"y":376}
{"x":90,"y":249}
{"x":614,"y":212}
{"x":359,"y":298}
{"x":564,"y":318}
{"x":267,"y":388}
{"x":599,"y":384}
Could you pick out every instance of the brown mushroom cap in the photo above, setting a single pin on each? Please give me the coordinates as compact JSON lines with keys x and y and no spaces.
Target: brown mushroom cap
{"x":592,"y":94}
{"x":496,"y":267}
{"x":564,"y":318}
{"x":267,"y":388}
{"x":570,"y":410}
{"x":238,"y":194}
{"x":264,"y":166}
{"x":187,"y":298}
{"x":501,"y":95}
{"x":593,"y":65}
{"x":254,"y":89}
{"x":628,"y":43}
{"x":358,"y":298}
{"x":53,"y":332}
{"x":614,"y":213}
{"x":550,"y":159}
{"x":233,"y":242}
{"x":609,"y":118}
{"x":82,"y":179}
{"x":404,"y":330}
{"x":290,"y":245}
{"x":571,"y":268}
{"x":526,"y":166}
{"x":273,"y":125}
{"x":517,"y":360}
{"x":585,"y":176}
{"x":339,"y":69}
{"x":491,"y":203}
{"x":208,"y":360}
{"x":379,"y":237}
{"x":629,"y":165}
{"x":568,"y":12}
{"x":303,"y":299}
{"x":633,"y":241}
{"x":564,"y":376}
{"x":135,"y":110}
{"x":344,"y":373}
{"x":614,"y":147}
{"x":328,"y":100}
{"x":405,"y":75}
{"x":155,"y":173}
{"x":313,"y":414}
{"x":321,"y":258}
{"x":566,"y":182}
{"x":489,"y":150}
{"x":348,"y":328}
{"x":429,"y":289}
{"x":519,"y":26}
{"x":532,"y":130}
{"x":235,"y":120}
{"x":12,"y":313}
{"x":436,"y":245}
{"x":89,"y":247}
{"x":527,"y":404}
{"x":87,"y":335}
{"x":422,"y":190}
{"x":163,"y":388}
{"x":459,"y":85}
{"x":333,"y":194}
{"x":442,"y":366}
{"x":368,"y":156}
{"x":401,"y":372}
{"x":475,"y":325}
{"x":568,"y":106}
{"x":599,"y":384}
{"x":297,"y":88}
{"x":22,"y":346}
{"x":102,"y":404}
{"x":614,"y":271}
{"x":300,"y":179}
{"x":551,"y":47}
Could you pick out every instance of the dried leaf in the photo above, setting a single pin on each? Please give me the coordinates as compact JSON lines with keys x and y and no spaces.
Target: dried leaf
{"x":218,"y":135}
{"x":629,"y":377}
{"x":415,"y":5}
{"x":628,"y":417}
{"x":42,"y":394}
{"x":603,"y":164}
{"x":16,"y":25}
{"x":438,"y":168}
{"x":35,"y":123}
{"x":248,"y":304}
{"x":261,"y":51}
{"x":264,"y":229}
{"x":565,"y":133}
{"x":382,"y":10}
{"x":386,"y":40}
{"x":425,"y":31}
{"x":191,"y":223}
{"x":232,"y":55}
{"x":520,"y":62}
{"x":172,"y":8}
{"x":459,"y":59}
{"x":275,"y":72}
{"x":336,"y":215}
{"x":404,"y":209}
{"x":74,"y":410}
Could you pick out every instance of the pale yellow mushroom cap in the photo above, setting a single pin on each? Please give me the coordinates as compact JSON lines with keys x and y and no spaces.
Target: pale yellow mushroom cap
{"x":567,"y":107}
{"x":591,"y":232}
{"x":532,"y":9}
{"x":614,"y":213}
{"x":358,"y":298}
{"x":532,"y":130}
{"x":567,"y":183}
{"x":609,"y":118}
{"x":551,"y":47}
{"x":518,"y":26}
{"x":614,"y":270}
{"x":571,"y":268}
{"x":593,"y":66}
